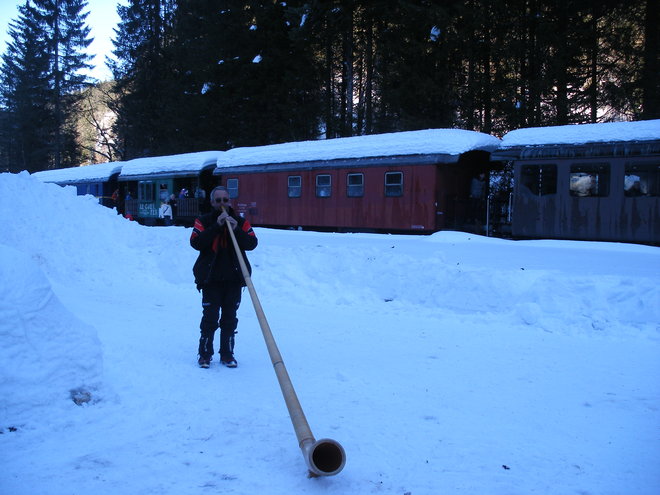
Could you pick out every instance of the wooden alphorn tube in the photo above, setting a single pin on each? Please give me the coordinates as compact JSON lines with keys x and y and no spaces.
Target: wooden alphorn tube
{"x":324,"y":457}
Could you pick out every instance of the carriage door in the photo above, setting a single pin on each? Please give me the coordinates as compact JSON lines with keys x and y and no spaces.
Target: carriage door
{"x":535,"y":200}
{"x":150,"y":195}
{"x":146,"y":199}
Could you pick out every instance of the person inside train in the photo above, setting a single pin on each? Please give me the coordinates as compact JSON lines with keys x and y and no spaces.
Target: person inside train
{"x":165,"y":213}
{"x":477,"y":205}
{"x":172,"y":202}
{"x":202,"y":204}
{"x":218,"y":274}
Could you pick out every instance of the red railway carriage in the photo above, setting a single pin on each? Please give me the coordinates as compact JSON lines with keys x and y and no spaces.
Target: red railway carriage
{"x":408,"y":181}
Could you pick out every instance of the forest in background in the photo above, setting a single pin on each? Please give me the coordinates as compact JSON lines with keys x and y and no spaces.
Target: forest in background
{"x":193,"y":75}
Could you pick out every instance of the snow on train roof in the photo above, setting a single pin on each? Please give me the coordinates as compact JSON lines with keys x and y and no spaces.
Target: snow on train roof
{"x":645,"y":130}
{"x":86,"y":173}
{"x":429,"y":141}
{"x":186,"y":163}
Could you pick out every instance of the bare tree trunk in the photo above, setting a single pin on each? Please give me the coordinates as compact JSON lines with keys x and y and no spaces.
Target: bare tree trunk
{"x":471,"y":89}
{"x":593,"y":63}
{"x":487,"y":89}
{"x":330,"y":131}
{"x":347,"y":72}
{"x":651,"y":69}
{"x":561,"y":77}
{"x":534,"y":72}
{"x":57,"y":90}
{"x":368,"y":117}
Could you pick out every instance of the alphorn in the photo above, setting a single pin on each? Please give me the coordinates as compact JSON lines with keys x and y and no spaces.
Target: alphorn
{"x":325,"y":457}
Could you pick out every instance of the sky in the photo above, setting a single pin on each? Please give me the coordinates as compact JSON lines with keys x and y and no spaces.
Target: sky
{"x":102,"y":19}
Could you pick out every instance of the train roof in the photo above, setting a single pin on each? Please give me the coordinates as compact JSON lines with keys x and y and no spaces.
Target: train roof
{"x":99,"y":172}
{"x":183,"y":165}
{"x":582,"y":140}
{"x":426,"y":146}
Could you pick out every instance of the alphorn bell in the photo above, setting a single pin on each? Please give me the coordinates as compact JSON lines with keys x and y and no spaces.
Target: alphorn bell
{"x":324,"y":457}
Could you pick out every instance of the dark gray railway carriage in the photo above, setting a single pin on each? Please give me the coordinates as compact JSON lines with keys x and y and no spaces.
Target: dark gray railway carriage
{"x":587,"y":182}
{"x":99,"y":179}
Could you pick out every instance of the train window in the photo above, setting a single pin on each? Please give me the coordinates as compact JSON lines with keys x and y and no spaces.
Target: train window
{"x":146,"y":191}
{"x":642,"y":180}
{"x":590,"y":180}
{"x":232,"y":188}
{"x":323,"y":186}
{"x":393,"y":184}
{"x":355,"y":185}
{"x":164,"y":193}
{"x":295,"y":186}
{"x":539,"y":179}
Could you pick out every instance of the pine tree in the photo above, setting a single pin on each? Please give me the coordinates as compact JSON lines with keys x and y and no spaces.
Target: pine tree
{"x":41,"y":82}
{"x":619,"y":61}
{"x":280,"y":78}
{"x":211,"y":48}
{"x":28,"y":117}
{"x":141,"y":72}
{"x":417,"y":59}
{"x":241,"y":74}
{"x":650,"y":79}
{"x":67,"y":38}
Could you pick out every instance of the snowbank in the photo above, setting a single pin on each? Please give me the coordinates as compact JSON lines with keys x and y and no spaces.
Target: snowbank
{"x":74,"y":238}
{"x":445,"y":363}
{"x":49,"y":359}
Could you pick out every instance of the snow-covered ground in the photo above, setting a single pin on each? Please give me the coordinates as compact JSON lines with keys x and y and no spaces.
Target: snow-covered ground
{"x":443,"y":364}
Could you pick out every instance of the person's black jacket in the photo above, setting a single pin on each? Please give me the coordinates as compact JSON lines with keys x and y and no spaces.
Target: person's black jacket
{"x":217,"y":261}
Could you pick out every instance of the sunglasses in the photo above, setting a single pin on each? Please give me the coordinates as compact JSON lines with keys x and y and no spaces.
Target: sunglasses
{"x":221,"y":200}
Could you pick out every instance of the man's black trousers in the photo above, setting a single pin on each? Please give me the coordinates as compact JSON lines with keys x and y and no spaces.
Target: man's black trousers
{"x":219,"y":305}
